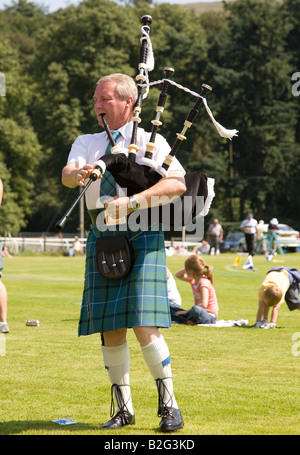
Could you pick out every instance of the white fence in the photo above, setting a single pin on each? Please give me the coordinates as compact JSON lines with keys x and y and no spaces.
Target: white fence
{"x":15,"y":245}
{"x":44,"y":244}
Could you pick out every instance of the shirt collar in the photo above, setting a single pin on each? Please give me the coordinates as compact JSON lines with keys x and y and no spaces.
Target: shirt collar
{"x":125,"y":130}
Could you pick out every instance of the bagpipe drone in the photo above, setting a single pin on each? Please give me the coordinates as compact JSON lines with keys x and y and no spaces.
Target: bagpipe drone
{"x":136,"y":177}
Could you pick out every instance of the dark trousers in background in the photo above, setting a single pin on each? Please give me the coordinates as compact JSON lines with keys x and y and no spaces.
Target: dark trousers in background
{"x":250,"y":242}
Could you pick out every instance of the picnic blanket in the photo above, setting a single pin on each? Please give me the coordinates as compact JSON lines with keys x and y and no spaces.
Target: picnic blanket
{"x":230,"y":323}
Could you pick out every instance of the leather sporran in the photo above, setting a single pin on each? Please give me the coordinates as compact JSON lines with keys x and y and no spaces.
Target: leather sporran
{"x":114,"y":257}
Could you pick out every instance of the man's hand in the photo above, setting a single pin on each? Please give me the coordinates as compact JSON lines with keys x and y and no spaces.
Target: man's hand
{"x":117,"y":209}
{"x":73,"y":175}
{"x":83,"y":174}
{"x":257,"y":325}
{"x":271,"y":325}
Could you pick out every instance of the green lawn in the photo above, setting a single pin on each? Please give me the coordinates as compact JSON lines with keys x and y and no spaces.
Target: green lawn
{"x":228,"y":381}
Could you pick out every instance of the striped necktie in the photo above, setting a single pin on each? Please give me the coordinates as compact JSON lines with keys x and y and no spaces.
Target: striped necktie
{"x":108,"y":184}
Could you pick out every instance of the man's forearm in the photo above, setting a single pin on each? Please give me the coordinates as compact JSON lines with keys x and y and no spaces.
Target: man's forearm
{"x":69,"y":177}
{"x":166,"y":189}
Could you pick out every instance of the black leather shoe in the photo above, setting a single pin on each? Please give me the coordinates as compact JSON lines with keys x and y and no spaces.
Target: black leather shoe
{"x":119,"y":420}
{"x":171,"y":420}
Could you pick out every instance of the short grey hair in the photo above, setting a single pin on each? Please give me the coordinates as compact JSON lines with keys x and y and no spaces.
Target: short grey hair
{"x":125,"y":85}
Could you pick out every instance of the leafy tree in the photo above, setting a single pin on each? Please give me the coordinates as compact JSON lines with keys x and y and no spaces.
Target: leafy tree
{"x":73,"y":51}
{"x":19,"y":148}
{"x":250,"y":71}
{"x":10,"y":211}
{"x":247,"y":54}
{"x":18,"y":23}
{"x":290,"y":196}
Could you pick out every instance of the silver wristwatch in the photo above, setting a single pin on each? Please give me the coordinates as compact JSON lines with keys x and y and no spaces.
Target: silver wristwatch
{"x":133,"y":203}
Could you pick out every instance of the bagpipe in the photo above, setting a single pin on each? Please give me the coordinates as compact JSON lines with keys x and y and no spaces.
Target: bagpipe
{"x":136,"y":177}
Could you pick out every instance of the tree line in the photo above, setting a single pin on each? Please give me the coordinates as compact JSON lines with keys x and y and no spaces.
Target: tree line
{"x":248,"y":53}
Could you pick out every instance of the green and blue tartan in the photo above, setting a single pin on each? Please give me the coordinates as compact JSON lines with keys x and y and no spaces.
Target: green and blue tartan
{"x":108,"y":184}
{"x":139,"y":299}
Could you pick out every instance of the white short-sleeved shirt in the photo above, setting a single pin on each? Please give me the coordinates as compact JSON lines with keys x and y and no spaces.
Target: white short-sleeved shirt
{"x":250,"y":225}
{"x":89,"y":148}
{"x":173,"y":293}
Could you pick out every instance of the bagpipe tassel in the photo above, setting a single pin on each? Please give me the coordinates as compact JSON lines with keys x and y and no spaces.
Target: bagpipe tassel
{"x":149,"y":65}
{"x":210,"y":196}
{"x":223,"y":132}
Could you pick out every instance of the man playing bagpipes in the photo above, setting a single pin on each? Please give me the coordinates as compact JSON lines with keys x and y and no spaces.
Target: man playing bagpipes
{"x":125,"y":276}
{"x":136,"y":298}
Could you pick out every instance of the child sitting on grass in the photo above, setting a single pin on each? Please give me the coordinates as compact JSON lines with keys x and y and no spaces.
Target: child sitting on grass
{"x":280,"y":284}
{"x":200,"y":276}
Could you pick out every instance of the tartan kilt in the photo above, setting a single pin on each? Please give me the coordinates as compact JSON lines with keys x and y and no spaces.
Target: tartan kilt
{"x":139,"y":299}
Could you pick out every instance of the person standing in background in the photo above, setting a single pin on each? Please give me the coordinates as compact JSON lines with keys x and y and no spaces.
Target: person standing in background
{"x":215,"y":236}
{"x":3,"y":293}
{"x":248,"y":226}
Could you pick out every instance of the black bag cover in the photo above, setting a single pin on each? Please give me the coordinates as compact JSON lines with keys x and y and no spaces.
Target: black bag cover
{"x":114,"y":257}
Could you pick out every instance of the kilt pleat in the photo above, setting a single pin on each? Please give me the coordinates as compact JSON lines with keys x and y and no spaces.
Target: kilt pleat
{"x":139,"y":299}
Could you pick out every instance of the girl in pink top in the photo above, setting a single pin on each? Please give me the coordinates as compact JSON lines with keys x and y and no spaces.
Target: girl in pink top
{"x":200,"y":276}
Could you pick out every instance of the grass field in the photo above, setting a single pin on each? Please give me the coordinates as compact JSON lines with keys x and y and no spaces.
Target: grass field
{"x":228,"y":381}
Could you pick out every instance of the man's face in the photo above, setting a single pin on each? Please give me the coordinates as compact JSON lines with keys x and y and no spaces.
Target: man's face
{"x":106,"y":101}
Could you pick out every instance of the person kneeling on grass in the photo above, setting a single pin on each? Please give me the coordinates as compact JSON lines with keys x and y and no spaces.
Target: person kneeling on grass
{"x":200,"y":276}
{"x":281,"y":284}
